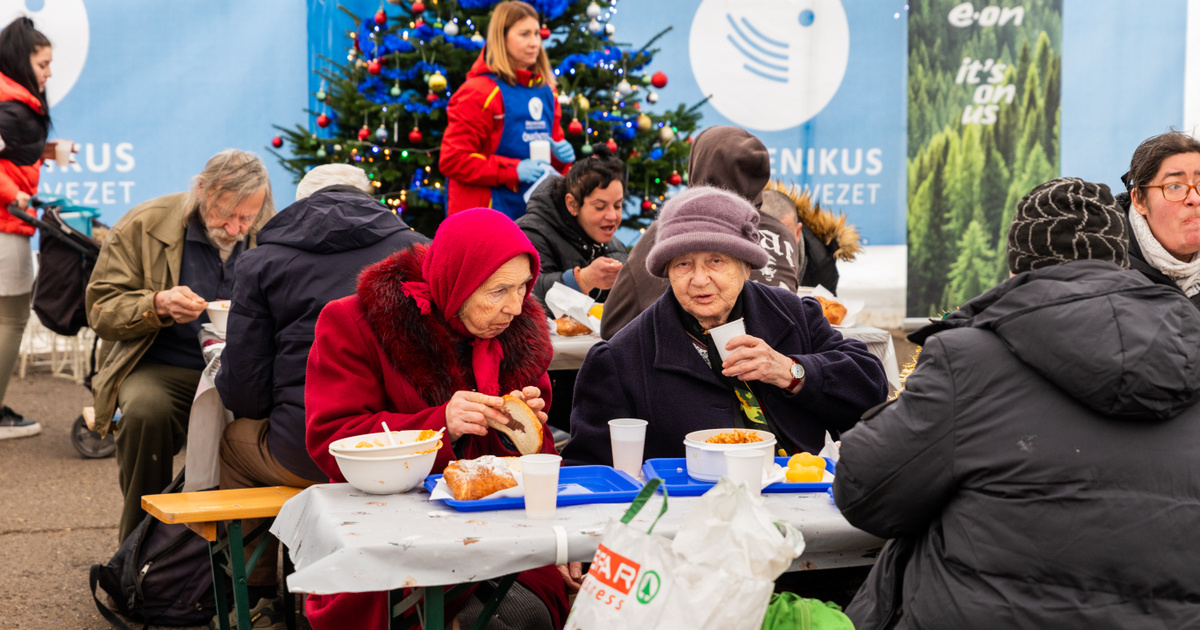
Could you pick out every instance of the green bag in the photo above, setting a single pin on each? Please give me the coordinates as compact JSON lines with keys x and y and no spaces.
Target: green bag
{"x":789,"y":611}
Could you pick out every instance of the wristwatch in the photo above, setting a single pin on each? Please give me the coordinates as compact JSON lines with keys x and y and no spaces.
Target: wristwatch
{"x":797,"y":375}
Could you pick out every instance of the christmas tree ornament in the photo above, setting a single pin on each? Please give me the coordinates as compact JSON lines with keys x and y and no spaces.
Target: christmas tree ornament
{"x":683,"y":177}
{"x":477,"y":38}
{"x":644,"y":123}
{"x":594,"y":27}
{"x":322,"y":121}
{"x":374,"y":67}
{"x":624,"y":89}
{"x":593,"y":10}
{"x":545,"y":32}
{"x":451,"y":29}
{"x":425,"y":77}
{"x":647,"y":206}
{"x":431,"y":97}
{"x":276,"y":142}
{"x":321,"y":153}
{"x":564,"y":100}
{"x":584,"y":104}
{"x":610,"y":30}
{"x":586,"y":150}
{"x":437,"y":82}
{"x":364,"y":133}
{"x":418,"y":7}
{"x":675,"y":179}
{"x":659,"y":80}
{"x":646,"y":79}
{"x":381,"y":134}
{"x":438,"y":25}
{"x":380,"y":17}
{"x":652,"y":97}
{"x":419,"y":23}
{"x":414,"y":136}
{"x":337,"y":147}
{"x":665,"y":134}
{"x":612,"y":145}
{"x":575,"y":128}
{"x":395,"y":91}
{"x":321,"y":95}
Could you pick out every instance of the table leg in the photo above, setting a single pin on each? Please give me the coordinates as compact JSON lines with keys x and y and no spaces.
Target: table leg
{"x":493,"y":602}
{"x":435,"y":608}
{"x":289,"y":598}
{"x":237,"y":567}
{"x":219,"y":585}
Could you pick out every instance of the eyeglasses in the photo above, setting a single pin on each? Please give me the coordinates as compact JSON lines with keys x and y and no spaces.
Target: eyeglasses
{"x":1176,"y":191}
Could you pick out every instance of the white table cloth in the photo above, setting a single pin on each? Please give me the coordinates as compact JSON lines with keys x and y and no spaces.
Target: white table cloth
{"x":345,"y":541}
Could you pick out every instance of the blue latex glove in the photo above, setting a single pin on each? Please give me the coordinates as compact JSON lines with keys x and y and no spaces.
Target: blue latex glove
{"x":563,"y":151}
{"x":529,"y":170}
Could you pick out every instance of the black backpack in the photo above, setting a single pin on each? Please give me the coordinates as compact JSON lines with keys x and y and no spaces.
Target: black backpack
{"x":160,"y":576}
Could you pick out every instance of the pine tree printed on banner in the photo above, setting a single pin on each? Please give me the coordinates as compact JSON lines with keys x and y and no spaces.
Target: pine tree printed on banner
{"x":983,"y":129}
{"x":384,"y":107}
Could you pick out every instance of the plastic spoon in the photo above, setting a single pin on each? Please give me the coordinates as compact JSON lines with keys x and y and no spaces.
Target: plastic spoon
{"x":388,"y":432}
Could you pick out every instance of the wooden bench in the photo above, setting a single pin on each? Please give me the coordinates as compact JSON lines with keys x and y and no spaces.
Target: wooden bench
{"x":201,"y":512}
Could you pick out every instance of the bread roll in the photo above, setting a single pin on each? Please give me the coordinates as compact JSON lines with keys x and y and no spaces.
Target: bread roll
{"x":471,"y":479}
{"x":834,"y":311}
{"x":569,"y":326}
{"x":523,"y":427}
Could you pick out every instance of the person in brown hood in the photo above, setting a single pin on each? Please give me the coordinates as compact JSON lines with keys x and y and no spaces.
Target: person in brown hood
{"x":723,"y":157}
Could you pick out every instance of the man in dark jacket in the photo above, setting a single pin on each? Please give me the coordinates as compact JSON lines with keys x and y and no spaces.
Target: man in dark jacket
{"x":1039,"y":470}
{"x":308,"y":255}
{"x":725,"y":157}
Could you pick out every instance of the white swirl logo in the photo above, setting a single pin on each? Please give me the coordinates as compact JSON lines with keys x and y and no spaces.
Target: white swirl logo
{"x":769,"y":65}
{"x":65,"y":24}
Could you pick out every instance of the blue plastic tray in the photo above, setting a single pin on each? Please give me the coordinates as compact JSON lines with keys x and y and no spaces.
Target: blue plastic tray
{"x":593,"y":484}
{"x":673,"y":472}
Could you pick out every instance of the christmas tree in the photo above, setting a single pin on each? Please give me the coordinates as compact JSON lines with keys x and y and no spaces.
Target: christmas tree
{"x":384,"y":109}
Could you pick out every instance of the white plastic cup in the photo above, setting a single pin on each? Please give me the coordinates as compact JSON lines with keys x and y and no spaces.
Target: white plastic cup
{"x":745,"y":467}
{"x":723,"y":333}
{"x":628,"y":437}
{"x":539,"y":150}
{"x":62,"y":152}
{"x":539,"y":474}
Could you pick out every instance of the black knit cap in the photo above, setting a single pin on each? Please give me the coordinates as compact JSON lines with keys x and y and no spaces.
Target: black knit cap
{"x":1065,"y":220}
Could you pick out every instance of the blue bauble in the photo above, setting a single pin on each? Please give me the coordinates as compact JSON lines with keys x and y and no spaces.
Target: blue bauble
{"x":656,"y":153}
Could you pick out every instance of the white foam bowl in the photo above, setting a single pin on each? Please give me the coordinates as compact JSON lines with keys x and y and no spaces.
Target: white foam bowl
{"x":386,"y":475}
{"x":406,"y":444}
{"x":706,"y":462}
{"x":218,"y":314}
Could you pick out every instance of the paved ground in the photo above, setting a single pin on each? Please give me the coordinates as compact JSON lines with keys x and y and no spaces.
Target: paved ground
{"x":59,"y":512}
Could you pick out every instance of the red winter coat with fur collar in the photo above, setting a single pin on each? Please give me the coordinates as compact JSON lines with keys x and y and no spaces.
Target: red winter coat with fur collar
{"x":377,"y":358}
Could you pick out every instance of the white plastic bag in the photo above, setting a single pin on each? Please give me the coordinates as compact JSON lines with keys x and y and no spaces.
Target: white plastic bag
{"x":717,"y":574}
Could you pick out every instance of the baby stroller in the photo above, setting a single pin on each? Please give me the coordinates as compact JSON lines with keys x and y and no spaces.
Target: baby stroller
{"x":67,"y":255}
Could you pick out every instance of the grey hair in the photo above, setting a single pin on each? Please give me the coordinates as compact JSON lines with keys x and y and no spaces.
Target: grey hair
{"x":231,"y":171}
{"x":327,"y":175}
{"x":780,"y":206}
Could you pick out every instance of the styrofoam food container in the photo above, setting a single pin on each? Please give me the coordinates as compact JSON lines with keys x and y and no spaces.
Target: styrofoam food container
{"x":406,"y":444}
{"x":386,"y":475}
{"x":218,"y":314}
{"x":706,"y":462}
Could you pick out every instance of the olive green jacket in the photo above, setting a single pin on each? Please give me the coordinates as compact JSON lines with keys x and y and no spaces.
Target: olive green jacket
{"x":141,"y":256}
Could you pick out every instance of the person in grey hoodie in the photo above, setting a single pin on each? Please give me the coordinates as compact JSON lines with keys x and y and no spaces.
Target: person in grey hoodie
{"x":1039,"y":469}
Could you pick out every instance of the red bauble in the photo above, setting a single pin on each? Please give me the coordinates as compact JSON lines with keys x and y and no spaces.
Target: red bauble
{"x":380,"y":17}
{"x":374,"y":67}
{"x":612,"y":146}
{"x":659,"y":80}
{"x":419,"y":23}
{"x":414,"y":136}
{"x":364,"y":133}
{"x":675,"y":179}
{"x":276,"y":142}
{"x":545,"y":32}
{"x":575,"y":128}
{"x":322,"y":121}
{"x":431,"y":97}
{"x":647,"y":206}
{"x":418,"y":7}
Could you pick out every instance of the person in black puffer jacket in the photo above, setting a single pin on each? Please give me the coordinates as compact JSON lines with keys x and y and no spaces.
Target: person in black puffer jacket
{"x":1039,"y":469}
{"x":572,"y":223}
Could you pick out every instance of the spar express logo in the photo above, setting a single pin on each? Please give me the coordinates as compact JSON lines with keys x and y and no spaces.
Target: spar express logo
{"x":769,"y":64}
{"x":65,"y":24}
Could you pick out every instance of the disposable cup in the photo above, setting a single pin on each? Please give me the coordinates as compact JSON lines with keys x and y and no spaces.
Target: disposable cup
{"x":539,"y":150}
{"x":722,"y":334}
{"x":628,"y":437}
{"x":745,"y":467}
{"x":539,"y":474}
{"x":62,"y":152}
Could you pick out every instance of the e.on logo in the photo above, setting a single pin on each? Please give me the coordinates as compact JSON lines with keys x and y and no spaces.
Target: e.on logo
{"x":769,"y":64}
{"x":614,"y":570}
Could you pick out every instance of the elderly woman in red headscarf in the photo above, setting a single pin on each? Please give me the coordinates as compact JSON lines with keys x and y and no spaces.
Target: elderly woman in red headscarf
{"x":431,"y":340}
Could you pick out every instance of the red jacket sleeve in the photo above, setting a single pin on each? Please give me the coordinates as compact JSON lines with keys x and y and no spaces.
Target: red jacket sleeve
{"x":475,"y":119}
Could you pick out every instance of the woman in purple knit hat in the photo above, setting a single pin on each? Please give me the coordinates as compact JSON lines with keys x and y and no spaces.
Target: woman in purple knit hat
{"x":791,"y":374}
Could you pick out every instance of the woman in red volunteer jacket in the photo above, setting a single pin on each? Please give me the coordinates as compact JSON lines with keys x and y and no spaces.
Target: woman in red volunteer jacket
{"x":24,"y":125}
{"x":508,"y":101}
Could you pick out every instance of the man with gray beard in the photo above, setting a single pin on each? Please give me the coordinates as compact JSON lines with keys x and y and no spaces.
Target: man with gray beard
{"x":159,"y":267}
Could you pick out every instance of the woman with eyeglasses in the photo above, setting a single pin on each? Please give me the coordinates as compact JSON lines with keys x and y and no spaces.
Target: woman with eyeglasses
{"x":1163,"y":206}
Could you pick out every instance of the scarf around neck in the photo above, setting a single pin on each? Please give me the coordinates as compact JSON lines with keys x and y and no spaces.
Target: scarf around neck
{"x":1186,"y":275}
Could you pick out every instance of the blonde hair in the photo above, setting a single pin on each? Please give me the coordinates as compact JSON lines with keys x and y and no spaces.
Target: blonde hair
{"x":332,"y":175}
{"x":504,"y":16}
{"x":231,"y":171}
